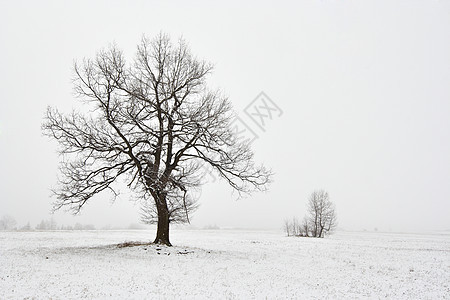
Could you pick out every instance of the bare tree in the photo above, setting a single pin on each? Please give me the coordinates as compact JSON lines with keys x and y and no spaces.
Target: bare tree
{"x":322,"y":214}
{"x":7,"y":222}
{"x":179,"y":209}
{"x":305,"y":227}
{"x":154,"y":123}
{"x":321,"y":218}
{"x":295,"y":227}
{"x":26,"y":227}
{"x":287,"y":227}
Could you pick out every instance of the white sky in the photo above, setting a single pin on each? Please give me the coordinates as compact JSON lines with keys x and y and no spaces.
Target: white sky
{"x":364,"y":86}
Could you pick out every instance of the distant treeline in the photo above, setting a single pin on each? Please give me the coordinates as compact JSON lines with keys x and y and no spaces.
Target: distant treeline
{"x":51,"y":225}
{"x":8,"y":222}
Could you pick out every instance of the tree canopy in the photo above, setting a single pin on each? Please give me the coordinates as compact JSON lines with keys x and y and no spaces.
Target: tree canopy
{"x":154,"y":123}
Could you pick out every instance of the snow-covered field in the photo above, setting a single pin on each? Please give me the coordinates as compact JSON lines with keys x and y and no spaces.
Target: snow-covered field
{"x":219,"y":264}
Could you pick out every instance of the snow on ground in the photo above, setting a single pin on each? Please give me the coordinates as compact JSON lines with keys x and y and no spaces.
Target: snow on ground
{"x":223,"y":264}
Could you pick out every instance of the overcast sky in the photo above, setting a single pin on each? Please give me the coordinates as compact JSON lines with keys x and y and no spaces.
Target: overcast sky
{"x":364,"y":87}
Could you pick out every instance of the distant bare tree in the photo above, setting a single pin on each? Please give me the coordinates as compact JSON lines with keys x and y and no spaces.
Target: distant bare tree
{"x":305,"y":227}
{"x":295,"y":226}
{"x":322,"y":213}
{"x":26,"y":227}
{"x":154,"y":123}
{"x":321,"y":218}
{"x":287,"y":227}
{"x":7,"y":222}
{"x":43,"y":225}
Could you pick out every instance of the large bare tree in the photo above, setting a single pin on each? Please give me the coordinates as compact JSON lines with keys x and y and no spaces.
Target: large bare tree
{"x":154,"y":123}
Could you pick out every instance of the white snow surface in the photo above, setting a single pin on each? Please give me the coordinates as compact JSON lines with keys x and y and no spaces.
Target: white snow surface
{"x":223,"y":264}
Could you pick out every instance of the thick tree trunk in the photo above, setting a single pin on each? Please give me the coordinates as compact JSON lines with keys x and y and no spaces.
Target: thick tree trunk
{"x":162,"y":233}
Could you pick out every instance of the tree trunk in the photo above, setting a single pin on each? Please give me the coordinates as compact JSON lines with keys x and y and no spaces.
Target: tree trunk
{"x":315,"y":225}
{"x":162,"y":232}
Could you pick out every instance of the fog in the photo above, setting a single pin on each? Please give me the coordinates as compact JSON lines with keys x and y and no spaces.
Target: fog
{"x":362,"y":89}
